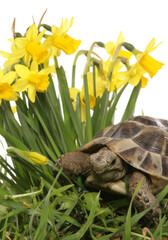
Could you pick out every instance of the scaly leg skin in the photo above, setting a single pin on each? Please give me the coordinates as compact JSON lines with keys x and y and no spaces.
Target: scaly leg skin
{"x":144,"y":198}
{"x":74,"y":164}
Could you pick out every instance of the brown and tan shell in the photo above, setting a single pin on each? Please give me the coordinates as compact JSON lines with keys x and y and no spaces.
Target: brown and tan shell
{"x":140,"y":141}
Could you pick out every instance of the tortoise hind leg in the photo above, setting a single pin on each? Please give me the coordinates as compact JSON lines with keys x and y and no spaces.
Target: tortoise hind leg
{"x":144,"y":198}
{"x":74,"y":164}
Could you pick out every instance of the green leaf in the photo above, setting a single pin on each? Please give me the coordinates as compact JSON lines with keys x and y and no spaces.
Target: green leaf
{"x":88,"y":117}
{"x":99,"y":122}
{"x":112,"y":108}
{"x":11,"y":140}
{"x":78,"y":235}
{"x":75,"y":120}
{"x":129,"y":111}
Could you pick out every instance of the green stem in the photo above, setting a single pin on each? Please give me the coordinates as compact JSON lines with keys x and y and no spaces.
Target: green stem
{"x":82,"y":52}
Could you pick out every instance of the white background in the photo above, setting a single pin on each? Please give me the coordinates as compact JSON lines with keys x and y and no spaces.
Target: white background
{"x":97,"y":20}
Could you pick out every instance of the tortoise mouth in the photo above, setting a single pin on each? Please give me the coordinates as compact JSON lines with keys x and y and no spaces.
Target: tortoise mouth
{"x":106,"y":175}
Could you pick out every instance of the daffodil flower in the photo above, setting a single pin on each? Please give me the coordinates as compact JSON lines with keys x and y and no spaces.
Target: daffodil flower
{"x":133,"y":76}
{"x":73,"y":94}
{"x":111,"y":47}
{"x":32,"y":157}
{"x":7,"y":91}
{"x":32,"y":79}
{"x":60,"y":40}
{"x":28,"y":48}
{"x":148,"y":63}
{"x":117,"y":76}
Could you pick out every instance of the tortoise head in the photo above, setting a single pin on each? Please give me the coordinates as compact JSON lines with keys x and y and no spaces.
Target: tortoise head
{"x":106,"y":165}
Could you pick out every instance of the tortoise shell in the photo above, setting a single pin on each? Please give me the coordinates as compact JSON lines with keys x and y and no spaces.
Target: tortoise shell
{"x":140,"y":141}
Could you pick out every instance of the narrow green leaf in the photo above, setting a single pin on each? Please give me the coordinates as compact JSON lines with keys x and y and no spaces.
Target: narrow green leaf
{"x":127,"y":233}
{"x":78,"y":235}
{"x":47,"y":132}
{"x":11,"y":140}
{"x":101,"y":118}
{"x":112,"y":108}
{"x":129,"y":111}
{"x":75,"y":119}
{"x":88,"y":117}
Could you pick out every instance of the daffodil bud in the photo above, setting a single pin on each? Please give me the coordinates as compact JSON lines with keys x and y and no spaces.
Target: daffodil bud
{"x":128,"y":46}
{"x":32,"y":157}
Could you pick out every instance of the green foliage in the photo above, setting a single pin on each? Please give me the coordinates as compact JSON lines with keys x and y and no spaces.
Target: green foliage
{"x":40,"y":201}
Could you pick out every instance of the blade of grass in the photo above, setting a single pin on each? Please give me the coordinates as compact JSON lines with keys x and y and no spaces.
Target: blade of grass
{"x":78,"y":235}
{"x":127,"y":233}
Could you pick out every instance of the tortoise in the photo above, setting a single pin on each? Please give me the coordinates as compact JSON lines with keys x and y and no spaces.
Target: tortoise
{"x":131,"y":150}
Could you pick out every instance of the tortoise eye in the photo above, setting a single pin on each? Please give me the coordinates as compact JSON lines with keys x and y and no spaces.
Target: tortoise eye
{"x":113,"y":162}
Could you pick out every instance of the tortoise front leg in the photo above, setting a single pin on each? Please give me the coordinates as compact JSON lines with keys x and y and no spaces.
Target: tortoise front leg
{"x":74,"y":164}
{"x":144,"y":198}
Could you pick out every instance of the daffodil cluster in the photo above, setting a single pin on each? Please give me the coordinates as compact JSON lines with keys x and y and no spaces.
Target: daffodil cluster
{"x":117,"y":71}
{"x":27,"y":66}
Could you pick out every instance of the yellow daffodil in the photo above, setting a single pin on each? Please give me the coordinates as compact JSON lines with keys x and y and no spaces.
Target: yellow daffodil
{"x":117,"y":76}
{"x":133,"y":76}
{"x":32,"y":157}
{"x":32,"y":79}
{"x":111,"y":46}
{"x":36,"y":157}
{"x":146,"y":61}
{"x":7,"y":91}
{"x":59,"y":40}
{"x":73,"y":94}
{"x":28,"y":48}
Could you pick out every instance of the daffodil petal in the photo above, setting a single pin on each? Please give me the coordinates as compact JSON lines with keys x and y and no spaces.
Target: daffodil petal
{"x":9,"y":77}
{"x":73,"y":93}
{"x":21,"y":85}
{"x":32,"y":93}
{"x":1,"y":75}
{"x":4,"y":54}
{"x":32,"y":32}
{"x":39,"y":37}
{"x":20,"y":42}
{"x":120,"y":38}
{"x":22,"y":71}
{"x":144,"y":81}
{"x":34,"y":67}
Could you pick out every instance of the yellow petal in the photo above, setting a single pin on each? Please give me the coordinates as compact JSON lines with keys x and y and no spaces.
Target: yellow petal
{"x":9,"y":77}
{"x":74,"y":92}
{"x":22,"y":71}
{"x":6,"y":91}
{"x":150,"y":64}
{"x":120,"y":38}
{"x":1,"y":75}
{"x":34,"y":67}
{"x":110,"y":47}
{"x":36,"y":157}
{"x":20,"y":42}
{"x":32,"y":32}
{"x":37,"y":51}
{"x":40,"y":35}
{"x":21,"y":85}
{"x":67,"y":44}
{"x":144,"y":81}
{"x":32,"y":93}
{"x":4,"y":54}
